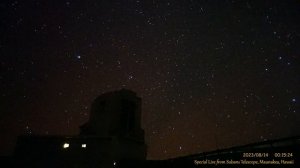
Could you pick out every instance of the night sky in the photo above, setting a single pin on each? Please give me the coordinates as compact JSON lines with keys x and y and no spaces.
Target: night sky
{"x":211,"y":74}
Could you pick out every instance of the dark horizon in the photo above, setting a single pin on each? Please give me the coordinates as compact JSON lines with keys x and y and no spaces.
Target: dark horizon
{"x":211,"y":74}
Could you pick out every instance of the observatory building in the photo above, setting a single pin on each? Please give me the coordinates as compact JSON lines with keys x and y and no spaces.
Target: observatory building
{"x":112,"y":133}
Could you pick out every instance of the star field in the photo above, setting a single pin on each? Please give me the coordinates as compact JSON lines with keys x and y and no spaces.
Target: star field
{"x":211,"y":74}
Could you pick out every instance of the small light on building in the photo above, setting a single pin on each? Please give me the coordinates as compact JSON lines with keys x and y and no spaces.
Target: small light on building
{"x":115,"y":163}
{"x":83,"y":145}
{"x":66,"y":145}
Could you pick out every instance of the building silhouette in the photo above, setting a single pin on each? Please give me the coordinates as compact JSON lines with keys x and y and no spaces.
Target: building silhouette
{"x":112,"y":133}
